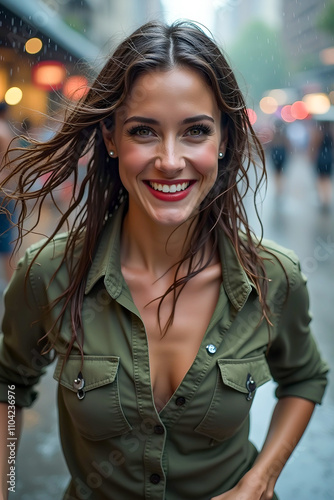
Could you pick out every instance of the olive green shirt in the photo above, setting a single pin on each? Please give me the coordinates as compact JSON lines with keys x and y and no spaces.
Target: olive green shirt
{"x":117,"y":446}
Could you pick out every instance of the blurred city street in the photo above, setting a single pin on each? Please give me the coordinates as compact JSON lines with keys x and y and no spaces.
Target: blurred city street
{"x":282,"y":53}
{"x":294,"y":220}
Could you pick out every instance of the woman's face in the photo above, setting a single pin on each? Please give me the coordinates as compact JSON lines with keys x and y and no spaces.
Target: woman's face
{"x":167,"y":138}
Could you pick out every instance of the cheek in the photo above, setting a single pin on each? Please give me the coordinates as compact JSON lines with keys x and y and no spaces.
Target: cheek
{"x":206,"y":162}
{"x":132,"y":161}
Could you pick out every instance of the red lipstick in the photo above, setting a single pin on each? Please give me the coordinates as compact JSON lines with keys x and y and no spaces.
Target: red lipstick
{"x":177,"y":196}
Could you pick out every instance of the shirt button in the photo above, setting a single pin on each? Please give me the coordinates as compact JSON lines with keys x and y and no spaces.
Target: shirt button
{"x":180,"y":401}
{"x":155,"y":478}
{"x":158,"y":429}
{"x":211,"y":348}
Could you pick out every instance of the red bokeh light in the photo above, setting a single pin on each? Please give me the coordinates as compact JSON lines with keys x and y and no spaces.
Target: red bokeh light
{"x":48,"y":75}
{"x":75,"y":87}
{"x":286,"y":114}
{"x":299,"y":110}
{"x":251,"y":115}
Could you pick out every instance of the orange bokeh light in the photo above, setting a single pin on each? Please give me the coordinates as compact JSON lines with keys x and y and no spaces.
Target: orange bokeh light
{"x":75,"y":87}
{"x":49,"y":75}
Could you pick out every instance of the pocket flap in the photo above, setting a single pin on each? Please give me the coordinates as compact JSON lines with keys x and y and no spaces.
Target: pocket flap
{"x":235,"y":372}
{"x":97,"y":370}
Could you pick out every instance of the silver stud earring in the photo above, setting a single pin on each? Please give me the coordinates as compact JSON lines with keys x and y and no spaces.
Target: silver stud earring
{"x":221,"y":155}
{"x":111,"y":153}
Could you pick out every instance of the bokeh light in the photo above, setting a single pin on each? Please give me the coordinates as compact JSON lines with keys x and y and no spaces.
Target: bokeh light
{"x":75,"y":87}
{"x":268,"y":105}
{"x":279,"y":95}
{"x":299,"y":110}
{"x":317,"y":104}
{"x":252,"y":115}
{"x":286,"y":114}
{"x":13,"y":96}
{"x":49,"y":75}
{"x":33,"y":45}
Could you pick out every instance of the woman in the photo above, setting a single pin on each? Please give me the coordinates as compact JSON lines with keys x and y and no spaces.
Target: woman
{"x":321,"y":153}
{"x":164,"y":311}
{"x":279,"y":150}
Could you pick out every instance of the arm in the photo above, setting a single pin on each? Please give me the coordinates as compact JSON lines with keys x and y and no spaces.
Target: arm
{"x":300,"y":373}
{"x":288,"y":423}
{"x":5,"y":458}
{"x":21,"y":364}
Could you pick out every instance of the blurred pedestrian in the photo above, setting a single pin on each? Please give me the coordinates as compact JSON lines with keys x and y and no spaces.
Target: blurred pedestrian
{"x":322,"y":156}
{"x":165,"y":315}
{"x":6,"y":208}
{"x":279,"y":148}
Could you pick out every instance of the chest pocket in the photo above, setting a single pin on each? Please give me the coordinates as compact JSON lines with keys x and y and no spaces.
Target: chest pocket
{"x":98,"y":415}
{"x":237,"y":381}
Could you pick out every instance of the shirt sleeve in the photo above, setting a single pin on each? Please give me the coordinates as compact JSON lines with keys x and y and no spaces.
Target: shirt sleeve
{"x":294,"y":359}
{"x":21,"y":359}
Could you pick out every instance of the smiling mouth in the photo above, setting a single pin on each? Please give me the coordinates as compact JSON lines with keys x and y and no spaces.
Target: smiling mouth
{"x":169,"y":188}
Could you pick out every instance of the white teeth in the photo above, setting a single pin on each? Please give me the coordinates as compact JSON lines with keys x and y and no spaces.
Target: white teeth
{"x":166,"y":188}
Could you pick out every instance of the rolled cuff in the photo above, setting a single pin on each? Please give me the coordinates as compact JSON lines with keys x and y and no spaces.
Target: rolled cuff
{"x":313,"y":390}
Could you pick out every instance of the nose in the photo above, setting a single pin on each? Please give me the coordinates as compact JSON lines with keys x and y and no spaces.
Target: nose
{"x":170,"y":160}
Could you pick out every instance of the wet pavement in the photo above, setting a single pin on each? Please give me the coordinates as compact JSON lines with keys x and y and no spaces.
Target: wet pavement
{"x":294,"y":220}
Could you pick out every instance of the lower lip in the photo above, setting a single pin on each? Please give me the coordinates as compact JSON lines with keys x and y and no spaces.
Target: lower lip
{"x":179,"y":195}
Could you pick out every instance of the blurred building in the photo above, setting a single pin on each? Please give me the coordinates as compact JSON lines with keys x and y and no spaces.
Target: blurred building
{"x":106,"y":22}
{"x":39,"y":56}
{"x":310,"y":49}
{"x":232,"y":16}
{"x":49,"y":50}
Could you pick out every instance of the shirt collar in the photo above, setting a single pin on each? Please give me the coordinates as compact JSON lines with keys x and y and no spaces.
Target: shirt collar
{"x":236,"y":283}
{"x":107,"y":263}
{"x":107,"y":258}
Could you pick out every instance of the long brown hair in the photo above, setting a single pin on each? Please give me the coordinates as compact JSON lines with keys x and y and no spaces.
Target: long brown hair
{"x":154,"y":46}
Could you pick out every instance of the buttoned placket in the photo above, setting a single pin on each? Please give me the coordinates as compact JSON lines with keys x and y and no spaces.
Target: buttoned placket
{"x":155,"y":476}
{"x":155,"y":465}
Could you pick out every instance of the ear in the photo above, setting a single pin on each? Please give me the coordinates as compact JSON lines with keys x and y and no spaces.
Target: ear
{"x":108,"y":138}
{"x":223,"y":141}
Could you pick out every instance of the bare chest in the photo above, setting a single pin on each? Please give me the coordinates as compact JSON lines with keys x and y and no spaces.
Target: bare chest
{"x":172,"y":354}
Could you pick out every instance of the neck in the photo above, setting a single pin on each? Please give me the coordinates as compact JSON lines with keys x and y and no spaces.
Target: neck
{"x":150,"y":246}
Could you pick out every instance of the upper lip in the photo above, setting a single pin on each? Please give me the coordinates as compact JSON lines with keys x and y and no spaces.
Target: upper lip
{"x":168,"y":182}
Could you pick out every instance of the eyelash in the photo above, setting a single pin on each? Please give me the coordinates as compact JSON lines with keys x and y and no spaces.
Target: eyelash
{"x":137,"y":128}
{"x":201,"y":127}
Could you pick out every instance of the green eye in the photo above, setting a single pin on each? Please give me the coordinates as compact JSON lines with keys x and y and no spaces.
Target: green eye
{"x":199,"y":130}
{"x":143,"y":131}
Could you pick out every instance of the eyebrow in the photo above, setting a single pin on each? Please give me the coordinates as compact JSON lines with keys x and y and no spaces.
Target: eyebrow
{"x":151,"y":121}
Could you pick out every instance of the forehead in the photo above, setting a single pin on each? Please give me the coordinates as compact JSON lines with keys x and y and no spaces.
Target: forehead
{"x":180,"y":88}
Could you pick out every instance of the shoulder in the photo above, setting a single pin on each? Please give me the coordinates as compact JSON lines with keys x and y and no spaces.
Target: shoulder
{"x":280,"y":253}
{"x":48,"y":251}
{"x":282,"y":265}
{"x":45,"y":258}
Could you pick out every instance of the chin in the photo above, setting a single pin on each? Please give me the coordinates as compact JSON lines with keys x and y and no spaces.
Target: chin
{"x":171,"y":220}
